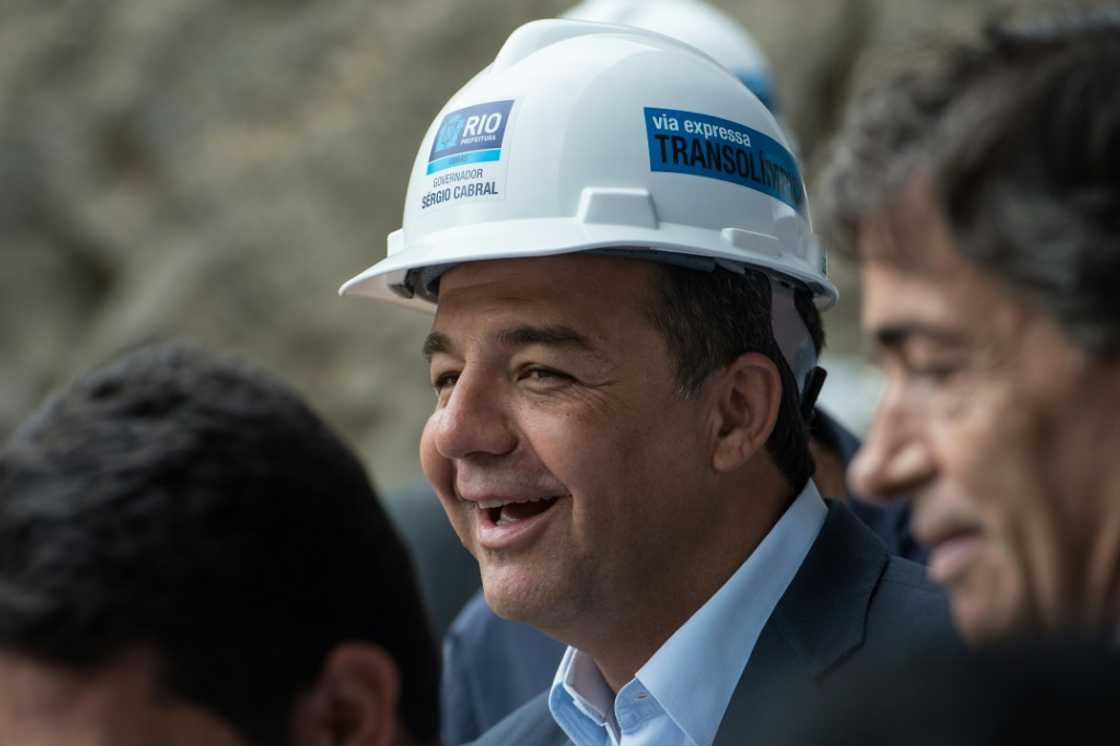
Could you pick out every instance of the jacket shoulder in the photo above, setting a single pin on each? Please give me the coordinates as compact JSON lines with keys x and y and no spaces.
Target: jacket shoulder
{"x":530,"y":725}
{"x":908,"y":611}
{"x":904,"y":572}
{"x":906,"y":583}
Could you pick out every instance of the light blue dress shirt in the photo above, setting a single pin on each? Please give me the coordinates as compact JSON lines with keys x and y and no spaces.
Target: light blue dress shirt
{"x":678,"y":698}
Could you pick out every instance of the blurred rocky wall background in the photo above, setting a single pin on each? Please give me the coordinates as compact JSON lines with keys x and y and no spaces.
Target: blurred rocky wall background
{"x":214,"y":169}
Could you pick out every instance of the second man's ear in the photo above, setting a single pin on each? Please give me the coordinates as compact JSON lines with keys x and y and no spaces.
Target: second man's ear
{"x":353,"y":702}
{"x":748,"y":396}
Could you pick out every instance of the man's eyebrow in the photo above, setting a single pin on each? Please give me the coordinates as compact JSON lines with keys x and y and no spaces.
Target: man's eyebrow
{"x":895,"y":335}
{"x":548,"y":336}
{"x":434,"y":343}
{"x":521,"y":336}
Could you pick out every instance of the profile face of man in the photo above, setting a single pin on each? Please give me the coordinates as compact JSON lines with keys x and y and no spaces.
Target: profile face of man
{"x":566,"y":459}
{"x":1000,"y":428}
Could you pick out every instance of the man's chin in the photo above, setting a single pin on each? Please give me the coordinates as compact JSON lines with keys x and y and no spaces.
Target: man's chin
{"x":522,"y":597}
{"x":986,"y":618}
{"x":510,"y":595}
{"x":976,"y":629}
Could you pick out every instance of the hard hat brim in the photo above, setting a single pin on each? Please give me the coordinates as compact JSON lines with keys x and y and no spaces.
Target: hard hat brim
{"x":520,"y":239}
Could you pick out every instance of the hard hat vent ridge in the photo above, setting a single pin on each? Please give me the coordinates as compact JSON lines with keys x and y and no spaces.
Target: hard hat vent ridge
{"x":607,"y":206}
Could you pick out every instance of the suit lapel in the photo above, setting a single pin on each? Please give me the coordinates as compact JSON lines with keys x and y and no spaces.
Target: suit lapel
{"x":818,"y":622}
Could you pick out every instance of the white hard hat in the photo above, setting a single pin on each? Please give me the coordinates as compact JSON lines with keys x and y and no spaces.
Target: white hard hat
{"x":591,"y":137}
{"x":698,"y":24}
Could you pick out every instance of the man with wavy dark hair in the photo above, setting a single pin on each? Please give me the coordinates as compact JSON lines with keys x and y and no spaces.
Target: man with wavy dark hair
{"x":189,"y":555}
{"x":979,"y":188}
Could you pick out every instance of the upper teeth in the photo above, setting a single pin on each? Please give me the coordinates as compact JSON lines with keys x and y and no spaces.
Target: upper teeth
{"x":488,"y":504}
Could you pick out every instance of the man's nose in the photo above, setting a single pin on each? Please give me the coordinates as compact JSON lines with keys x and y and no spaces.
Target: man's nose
{"x":475,"y":420}
{"x":895,"y":458}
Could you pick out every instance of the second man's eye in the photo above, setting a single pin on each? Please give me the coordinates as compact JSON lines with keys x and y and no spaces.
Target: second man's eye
{"x":934,"y":371}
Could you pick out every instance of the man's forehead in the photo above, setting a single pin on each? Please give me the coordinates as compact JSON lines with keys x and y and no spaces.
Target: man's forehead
{"x":968,"y":307}
{"x":580,"y":303}
{"x":911,"y":269}
{"x":575,"y":273}
{"x":585,"y":292}
{"x":898,"y":297}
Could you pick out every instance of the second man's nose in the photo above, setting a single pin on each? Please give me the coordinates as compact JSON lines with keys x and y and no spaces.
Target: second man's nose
{"x":894,"y":458}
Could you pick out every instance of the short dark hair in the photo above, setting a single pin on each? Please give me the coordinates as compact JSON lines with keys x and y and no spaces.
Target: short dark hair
{"x":196,"y":505}
{"x":1017,"y":134}
{"x":710,"y":318}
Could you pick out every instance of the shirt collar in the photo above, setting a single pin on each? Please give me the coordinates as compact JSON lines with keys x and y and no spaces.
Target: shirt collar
{"x":580,"y":699}
{"x":694,"y":673}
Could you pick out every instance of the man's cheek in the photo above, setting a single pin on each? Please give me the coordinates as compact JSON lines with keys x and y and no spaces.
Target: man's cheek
{"x":436,"y":468}
{"x":1032,"y":565}
{"x":985,"y":454}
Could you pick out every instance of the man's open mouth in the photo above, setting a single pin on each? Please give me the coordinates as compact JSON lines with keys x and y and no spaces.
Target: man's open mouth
{"x":506,"y":512}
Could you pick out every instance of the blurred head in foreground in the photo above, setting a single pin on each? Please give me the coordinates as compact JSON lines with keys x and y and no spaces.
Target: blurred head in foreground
{"x":189,"y":555}
{"x":979,"y":188}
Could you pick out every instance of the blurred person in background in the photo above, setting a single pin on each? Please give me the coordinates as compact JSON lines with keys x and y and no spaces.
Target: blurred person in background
{"x":190,"y":556}
{"x":979,"y":188}
{"x":491,"y":665}
{"x":624,"y":365}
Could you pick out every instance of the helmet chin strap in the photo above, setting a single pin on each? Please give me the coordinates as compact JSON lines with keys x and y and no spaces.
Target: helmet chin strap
{"x":790,"y":333}
{"x":796,"y":344}
{"x":812,"y":390}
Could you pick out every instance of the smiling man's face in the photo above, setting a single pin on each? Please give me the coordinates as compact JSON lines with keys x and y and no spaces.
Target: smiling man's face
{"x":1000,"y":428}
{"x":566,"y":459}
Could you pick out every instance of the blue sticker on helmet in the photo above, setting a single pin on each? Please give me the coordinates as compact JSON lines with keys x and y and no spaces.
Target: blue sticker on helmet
{"x":685,"y":142}
{"x":470,"y":135}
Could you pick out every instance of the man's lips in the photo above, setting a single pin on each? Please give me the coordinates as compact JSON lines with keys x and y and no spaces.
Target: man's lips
{"x":503,"y":521}
{"x":500,"y":502}
{"x":952,"y":552}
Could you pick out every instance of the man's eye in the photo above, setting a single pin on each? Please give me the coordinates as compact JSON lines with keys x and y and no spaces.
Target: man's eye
{"x":934,"y":372}
{"x":544,"y":375}
{"x":444,"y":381}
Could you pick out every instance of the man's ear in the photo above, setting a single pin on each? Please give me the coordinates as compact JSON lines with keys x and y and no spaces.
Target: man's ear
{"x":748,"y":396}
{"x":353,"y":702}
